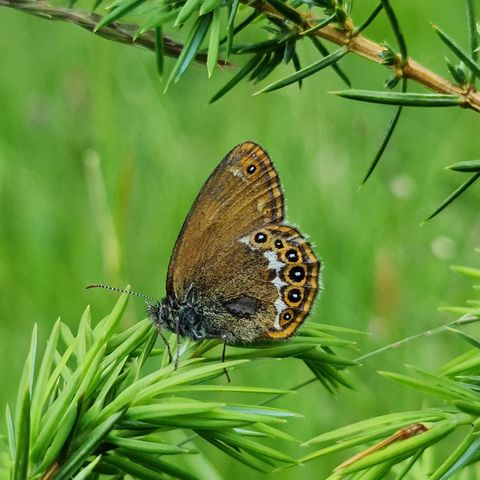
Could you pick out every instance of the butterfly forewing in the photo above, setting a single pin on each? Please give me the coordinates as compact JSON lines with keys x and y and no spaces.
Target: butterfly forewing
{"x":253,"y":276}
{"x":242,"y":193}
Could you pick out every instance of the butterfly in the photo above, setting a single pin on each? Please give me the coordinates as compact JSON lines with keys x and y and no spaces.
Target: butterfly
{"x":238,"y":272}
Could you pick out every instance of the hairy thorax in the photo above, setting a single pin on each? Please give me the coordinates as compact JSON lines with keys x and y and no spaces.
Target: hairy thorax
{"x":200,"y":318}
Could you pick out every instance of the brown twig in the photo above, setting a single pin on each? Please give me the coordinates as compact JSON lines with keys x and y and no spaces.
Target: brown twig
{"x":402,"y":434}
{"x":115,"y":31}
{"x":372,"y":51}
{"x":50,"y":473}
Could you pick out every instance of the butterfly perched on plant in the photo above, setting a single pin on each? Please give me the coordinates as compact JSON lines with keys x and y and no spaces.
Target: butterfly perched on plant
{"x":238,"y":273}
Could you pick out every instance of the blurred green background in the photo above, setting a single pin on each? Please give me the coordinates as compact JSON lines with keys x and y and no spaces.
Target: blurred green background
{"x":84,"y":125}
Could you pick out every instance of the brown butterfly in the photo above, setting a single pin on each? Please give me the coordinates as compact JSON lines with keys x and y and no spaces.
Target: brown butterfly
{"x":237,"y":272}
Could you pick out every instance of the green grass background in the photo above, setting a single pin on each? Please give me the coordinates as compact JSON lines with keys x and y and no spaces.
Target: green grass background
{"x":66,"y":97}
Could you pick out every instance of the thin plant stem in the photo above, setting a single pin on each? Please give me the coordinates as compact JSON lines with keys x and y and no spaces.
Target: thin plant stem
{"x":103,"y":215}
{"x":463,"y":320}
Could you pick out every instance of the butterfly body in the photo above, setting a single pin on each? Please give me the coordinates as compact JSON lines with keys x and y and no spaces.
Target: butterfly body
{"x":238,"y":272}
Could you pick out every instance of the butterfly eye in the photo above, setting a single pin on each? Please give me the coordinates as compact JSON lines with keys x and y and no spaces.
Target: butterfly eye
{"x":251,"y":169}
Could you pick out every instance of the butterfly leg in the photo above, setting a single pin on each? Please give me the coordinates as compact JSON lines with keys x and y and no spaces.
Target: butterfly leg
{"x":177,"y":354}
{"x":223,"y":359}
{"x":167,"y":345}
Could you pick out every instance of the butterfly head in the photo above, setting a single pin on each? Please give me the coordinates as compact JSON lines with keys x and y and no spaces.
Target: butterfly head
{"x":180,"y":317}
{"x":158,"y":312}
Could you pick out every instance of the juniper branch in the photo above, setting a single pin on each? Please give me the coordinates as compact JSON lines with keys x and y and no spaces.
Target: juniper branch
{"x":373,"y":51}
{"x":117,"y":32}
{"x":89,"y":401}
{"x":349,"y":36}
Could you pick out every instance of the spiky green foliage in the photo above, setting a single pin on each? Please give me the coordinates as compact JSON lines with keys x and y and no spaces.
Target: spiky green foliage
{"x":398,"y":442}
{"x":91,"y":405}
{"x":215,"y":30}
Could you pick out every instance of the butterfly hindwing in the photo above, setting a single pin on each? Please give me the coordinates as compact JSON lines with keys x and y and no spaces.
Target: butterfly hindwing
{"x":296,"y":271}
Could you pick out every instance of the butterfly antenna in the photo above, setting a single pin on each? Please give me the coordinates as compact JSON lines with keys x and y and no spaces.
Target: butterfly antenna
{"x":120,"y":290}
